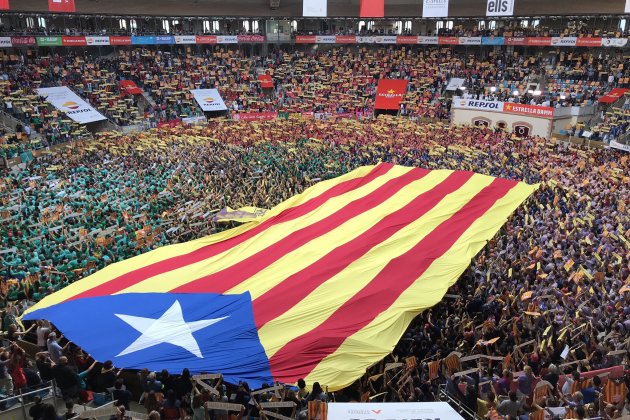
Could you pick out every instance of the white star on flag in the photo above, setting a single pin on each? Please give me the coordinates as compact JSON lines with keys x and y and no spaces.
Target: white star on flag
{"x":169,"y":328}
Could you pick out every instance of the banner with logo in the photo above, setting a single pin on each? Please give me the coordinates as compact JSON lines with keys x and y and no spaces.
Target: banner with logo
{"x":589,"y":42}
{"x":614,"y":42}
{"x":71,"y":104}
{"x":500,"y":8}
{"x":541,"y":41}
{"x":470,"y":40}
{"x":227,"y":39}
{"x":455,"y":83}
{"x":366,"y":39}
{"x":620,"y":146}
{"x":251,"y":38}
{"x":478,"y":104}
{"x":613,"y":96}
{"x":531,"y":110}
{"x":314,"y":8}
{"x":627,"y":8}
{"x":372,"y":9}
{"x":406,"y":40}
{"x":511,"y":40}
{"x":23,"y":41}
{"x":346,"y":39}
{"x":434,"y":8}
{"x":390,"y":93}
{"x":185,"y":39}
{"x":97,"y":40}
{"x":166,"y":40}
{"x":130,"y":87}
{"x":255,"y":116}
{"x":563,"y":41}
{"x":428,"y":40}
{"x":492,"y":40}
{"x":206,"y":39}
{"x":64,"y":6}
{"x":73,"y":41}
{"x":325,"y":39}
{"x":209,"y":99}
{"x":448,"y":40}
{"x":120,"y":40}
{"x":386,"y":39}
{"x":5,"y":42}
{"x":392,"y":411}
{"x":49,"y":41}
{"x":143,"y":40}
{"x":266,"y":81}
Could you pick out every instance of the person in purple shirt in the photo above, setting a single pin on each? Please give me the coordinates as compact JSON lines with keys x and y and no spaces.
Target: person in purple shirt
{"x":525,"y":383}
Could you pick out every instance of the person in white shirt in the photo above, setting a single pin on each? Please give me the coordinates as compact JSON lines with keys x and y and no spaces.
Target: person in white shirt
{"x":42,"y":330}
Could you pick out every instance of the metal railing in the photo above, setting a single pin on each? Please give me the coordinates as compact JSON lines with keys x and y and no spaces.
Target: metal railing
{"x":458,"y":405}
{"x":24,"y":398}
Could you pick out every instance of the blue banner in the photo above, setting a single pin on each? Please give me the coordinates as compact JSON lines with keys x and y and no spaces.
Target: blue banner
{"x":493,"y":40}
{"x":165,"y":40}
{"x":143,"y":40}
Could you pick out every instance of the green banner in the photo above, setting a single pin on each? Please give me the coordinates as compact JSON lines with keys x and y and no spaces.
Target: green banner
{"x":49,"y":41}
{"x":284,"y":115}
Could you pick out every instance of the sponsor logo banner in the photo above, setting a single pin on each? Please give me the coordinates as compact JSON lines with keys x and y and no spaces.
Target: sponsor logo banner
{"x":627,"y":8}
{"x":143,"y":40}
{"x":620,"y":146}
{"x":305,"y":39}
{"x":325,"y":39}
{"x":434,"y":8}
{"x":392,"y":411}
{"x":428,"y":40}
{"x":614,"y":42}
{"x":406,"y":40}
{"x":61,"y":6}
{"x":255,"y":116}
{"x":366,"y":39}
{"x":314,"y":8}
{"x":265,"y":81}
{"x":97,"y":40}
{"x":542,"y":41}
{"x":165,"y":40}
{"x":227,"y":39}
{"x":511,"y":40}
{"x":589,"y":42}
{"x":251,"y":38}
{"x":73,"y":41}
{"x":470,"y":41}
{"x":120,"y":40}
{"x":346,"y":39}
{"x":130,"y":87}
{"x":385,"y":39}
{"x":389,"y":93}
{"x":69,"y":102}
{"x":209,"y":99}
{"x":500,"y":8}
{"x":455,"y":83}
{"x":23,"y":40}
{"x":448,"y":40}
{"x":49,"y":41}
{"x":531,"y":110}
{"x":492,"y":40}
{"x":5,"y":42}
{"x":185,"y":39}
{"x":206,"y":39}
{"x":568,"y":41}
{"x":478,"y":104}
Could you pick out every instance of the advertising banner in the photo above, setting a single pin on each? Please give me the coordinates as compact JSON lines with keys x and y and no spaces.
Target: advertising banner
{"x":392,"y":411}
{"x":130,"y":87}
{"x":23,"y":41}
{"x":165,"y":40}
{"x":470,"y":41}
{"x":385,"y":39}
{"x":227,"y":39}
{"x":346,"y":39}
{"x":542,"y":41}
{"x":97,"y":40}
{"x":71,"y":104}
{"x":366,"y":39}
{"x":613,"y":96}
{"x":314,"y":8}
{"x":500,"y":8}
{"x":524,"y":109}
{"x":63,"y":6}
{"x":120,"y":40}
{"x":492,"y":40}
{"x":428,"y":40}
{"x":589,"y":42}
{"x":325,"y":39}
{"x":185,"y":39}
{"x":49,"y":41}
{"x":251,"y":38}
{"x":255,"y":116}
{"x":206,"y":39}
{"x":5,"y":42}
{"x":406,"y":40}
{"x":434,"y":8}
{"x":614,"y":42}
{"x":448,"y":40}
{"x":209,"y":99}
{"x":620,"y":146}
{"x":455,"y":83}
{"x":266,"y":81}
{"x":143,"y":40}
{"x":390,"y":93}
{"x":73,"y":41}
{"x":511,"y":40}
{"x":305,"y":39}
{"x":567,"y":41}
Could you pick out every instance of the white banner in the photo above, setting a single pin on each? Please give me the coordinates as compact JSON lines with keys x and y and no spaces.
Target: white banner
{"x":69,"y":102}
{"x":620,"y":146}
{"x":227,"y":39}
{"x":5,"y":42}
{"x":627,"y":9}
{"x":567,"y":41}
{"x":473,"y":40}
{"x":500,"y":8}
{"x":385,"y":39}
{"x":366,"y":40}
{"x":392,"y":411}
{"x":325,"y":39}
{"x":478,"y":104}
{"x":428,"y":40}
{"x":209,"y":99}
{"x":615,"y":42}
{"x":435,"y":8}
{"x":314,"y":8}
{"x":97,"y":40}
{"x":455,"y":83}
{"x":185,"y":39}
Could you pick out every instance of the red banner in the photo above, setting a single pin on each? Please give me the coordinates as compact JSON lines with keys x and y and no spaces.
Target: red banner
{"x":372,"y":8}
{"x":206,"y":39}
{"x":406,"y":40}
{"x":389,"y":93}
{"x":119,"y":40}
{"x":265,"y":81}
{"x":4,"y":4}
{"x":23,"y":40}
{"x":448,"y":40}
{"x":532,"y":110}
{"x":171,"y":124}
{"x":588,"y":42}
{"x":516,"y":40}
{"x":305,"y":39}
{"x":251,"y":38}
{"x":66,"y":6}
{"x":130,"y":87}
{"x":73,"y":41}
{"x":539,"y":41}
{"x":613,"y":95}
{"x":346,"y":39}
{"x":255,"y":116}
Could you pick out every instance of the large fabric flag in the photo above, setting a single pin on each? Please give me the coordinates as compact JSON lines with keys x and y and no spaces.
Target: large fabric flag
{"x":320,"y":287}
{"x":390,"y":93}
{"x":61,"y":6}
{"x":372,"y":8}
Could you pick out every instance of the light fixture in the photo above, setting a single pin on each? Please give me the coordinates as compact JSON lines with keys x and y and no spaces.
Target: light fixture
{"x":515,"y":93}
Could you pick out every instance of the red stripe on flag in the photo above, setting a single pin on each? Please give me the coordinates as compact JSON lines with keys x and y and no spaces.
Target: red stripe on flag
{"x":224,"y":280}
{"x":372,"y":8}
{"x":299,"y":285}
{"x":301,"y":355}
{"x":136,"y":276}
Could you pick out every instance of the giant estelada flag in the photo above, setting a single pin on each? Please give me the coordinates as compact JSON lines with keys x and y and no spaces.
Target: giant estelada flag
{"x":320,"y":287}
